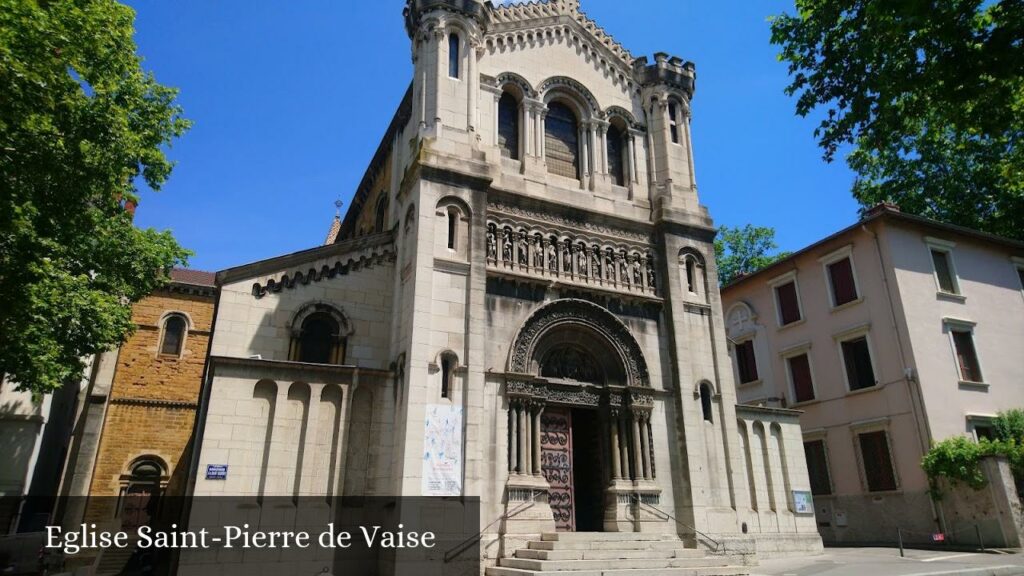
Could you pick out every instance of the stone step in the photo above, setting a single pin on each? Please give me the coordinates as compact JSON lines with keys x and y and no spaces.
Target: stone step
{"x":606,"y":537}
{"x":603,"y":565}
{"x":607,"y":554}
{"x":709,"y":571}
{"x":615,"y":545}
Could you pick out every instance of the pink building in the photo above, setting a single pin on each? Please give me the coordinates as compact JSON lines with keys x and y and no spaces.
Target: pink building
{"x":890,"y":334}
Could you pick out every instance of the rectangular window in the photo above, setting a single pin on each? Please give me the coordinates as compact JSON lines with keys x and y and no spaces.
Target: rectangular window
{"x":453,"y":55}
{"x":800,"y":374}
{"x":817,"y":467}
{"x":874,"y":450}
{"x":844,"y":289}
{"x":746,"y":362}
{"x":943,"y":271}
{"x":984,"y":430}
{"x":966,"y":355}
{"x":789,"y":306}
{"x":673,"y":122}
{"x":857,"y":359}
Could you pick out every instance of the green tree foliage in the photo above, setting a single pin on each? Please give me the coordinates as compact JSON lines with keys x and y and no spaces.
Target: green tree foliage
{"x":1009,"y":425}
{"x":80,"y":123}
{"x":930,"y":95}
{"x":956,"y":460}
{"x":742,"y":251}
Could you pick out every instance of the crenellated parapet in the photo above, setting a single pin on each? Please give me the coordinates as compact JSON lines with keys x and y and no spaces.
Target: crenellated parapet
{"x":416,"y":10}
{"x":668,"y":71}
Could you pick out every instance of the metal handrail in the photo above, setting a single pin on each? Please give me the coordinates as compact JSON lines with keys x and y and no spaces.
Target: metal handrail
{"x":718,"y":545}
{"x":462,"y":546}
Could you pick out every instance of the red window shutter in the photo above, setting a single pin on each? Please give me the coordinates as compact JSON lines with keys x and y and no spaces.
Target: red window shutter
{"x":789,"y":308}
{"x":817,"y":467}
{"x":746,"y":361}
{"x":874,"y":450}
{"x":966,"y":356}
{"x":843,"y":288}
{"x":800,"y":371}
{"x":940,"y":260}
{"x":748,"y":352}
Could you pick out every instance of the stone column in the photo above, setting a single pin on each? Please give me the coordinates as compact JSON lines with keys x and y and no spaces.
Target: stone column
{"x":513,"y":437}
{"x":525,"y":149}
{"x":603,"y":133}
{"x":521,"y":434}
{"x":623,"y":447}
{"x":538,"y":409}
{"x":638,"y":459}
{"x":645,"y":446}
{"x":497,"y":107}
{"x":527,"y":421}
{"x":472,"y":83}
{"x":650,"y":450}
{"x":631,"y":140}
{"x":584,"y":154}
{"x":613,"y":427}
{"x":441,"y":69}
{"x":689,"y":147}
{"x":541,"y":148}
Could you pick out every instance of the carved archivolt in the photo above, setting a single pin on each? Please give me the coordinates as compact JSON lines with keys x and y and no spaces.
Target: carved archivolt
{"x":578,"y":223}
{"x":579,"y":313}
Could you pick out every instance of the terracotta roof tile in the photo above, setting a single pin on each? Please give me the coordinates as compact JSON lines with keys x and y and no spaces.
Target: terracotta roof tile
{"x":194,"y":277}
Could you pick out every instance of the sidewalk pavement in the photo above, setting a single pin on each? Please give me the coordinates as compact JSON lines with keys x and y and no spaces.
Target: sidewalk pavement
{"x":887,"y":562}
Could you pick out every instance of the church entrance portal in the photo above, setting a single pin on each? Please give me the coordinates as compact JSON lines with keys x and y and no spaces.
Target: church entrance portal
{"x":571,"y":463}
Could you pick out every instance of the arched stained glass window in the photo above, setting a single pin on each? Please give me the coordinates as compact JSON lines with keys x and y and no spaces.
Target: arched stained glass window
{"x":561,"y":141}
{"x":508,"y":126}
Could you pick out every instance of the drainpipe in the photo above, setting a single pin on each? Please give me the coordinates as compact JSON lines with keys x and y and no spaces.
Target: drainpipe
{"x":914,"y":391}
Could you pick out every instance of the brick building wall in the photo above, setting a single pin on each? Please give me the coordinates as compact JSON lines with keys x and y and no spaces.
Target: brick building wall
{"x":153,"y":398}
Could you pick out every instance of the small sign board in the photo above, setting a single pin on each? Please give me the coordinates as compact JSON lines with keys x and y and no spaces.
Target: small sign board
{"x":802,"y":503}
{"x":938,"y":537}
{"x":216,"y":471}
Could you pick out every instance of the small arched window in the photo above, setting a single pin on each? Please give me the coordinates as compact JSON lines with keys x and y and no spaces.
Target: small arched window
{"x":448,"y":363}
{"x":453,"y":55}
{"x":453,"y":227}
{"x":382,"y":213}
{"x":561,"y":141}
{"x":174,"y":335}
{"x":508,"y":126}
{"x":319,"y":340}
{"x":691,"y":275}
{"x":616,"y":155}
{"x":705,"y":402}
{"x":673,"y":121}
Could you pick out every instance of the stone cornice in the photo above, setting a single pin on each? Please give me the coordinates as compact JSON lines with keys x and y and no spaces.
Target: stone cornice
{"x":155,"y":403}
{"x":295,"y":371}
{"x":366,"y":249}
{"x":568,"y":217}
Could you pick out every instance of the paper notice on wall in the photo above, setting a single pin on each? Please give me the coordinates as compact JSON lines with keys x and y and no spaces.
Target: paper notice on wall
{"x":442,"y":450}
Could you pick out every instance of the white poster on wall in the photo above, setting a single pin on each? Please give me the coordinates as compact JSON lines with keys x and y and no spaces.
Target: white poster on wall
{"x":442,"y":450}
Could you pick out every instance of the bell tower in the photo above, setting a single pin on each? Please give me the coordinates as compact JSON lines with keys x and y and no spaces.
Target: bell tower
{"x":446,"y":44}
{"x":668,"y":87}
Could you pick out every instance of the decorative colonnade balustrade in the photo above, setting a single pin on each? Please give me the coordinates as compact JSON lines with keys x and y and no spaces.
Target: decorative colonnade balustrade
{"x":523,"y":249}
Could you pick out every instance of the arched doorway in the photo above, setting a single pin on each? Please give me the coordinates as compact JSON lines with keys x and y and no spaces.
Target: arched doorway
{"x":141,"y":489}
{"x":576,"y":420}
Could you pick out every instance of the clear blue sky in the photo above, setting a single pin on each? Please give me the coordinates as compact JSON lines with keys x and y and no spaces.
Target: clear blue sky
{"x":290,"y":100}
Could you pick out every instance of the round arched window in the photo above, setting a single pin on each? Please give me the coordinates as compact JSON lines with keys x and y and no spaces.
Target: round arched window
{"x":174,"y":335}
{"x":318,"y":339}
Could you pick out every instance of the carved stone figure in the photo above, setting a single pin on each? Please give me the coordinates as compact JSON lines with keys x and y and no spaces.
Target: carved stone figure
{"x":492,"y":243}
{"x":506,"y":246}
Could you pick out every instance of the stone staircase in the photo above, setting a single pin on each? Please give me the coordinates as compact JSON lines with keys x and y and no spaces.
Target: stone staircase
{"x":614,"y":554}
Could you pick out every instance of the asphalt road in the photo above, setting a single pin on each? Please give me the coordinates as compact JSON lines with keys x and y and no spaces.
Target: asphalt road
{"x":887,"y":562}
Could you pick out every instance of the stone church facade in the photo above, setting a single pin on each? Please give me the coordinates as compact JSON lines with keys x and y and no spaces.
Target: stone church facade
{"x":527,"y":257}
